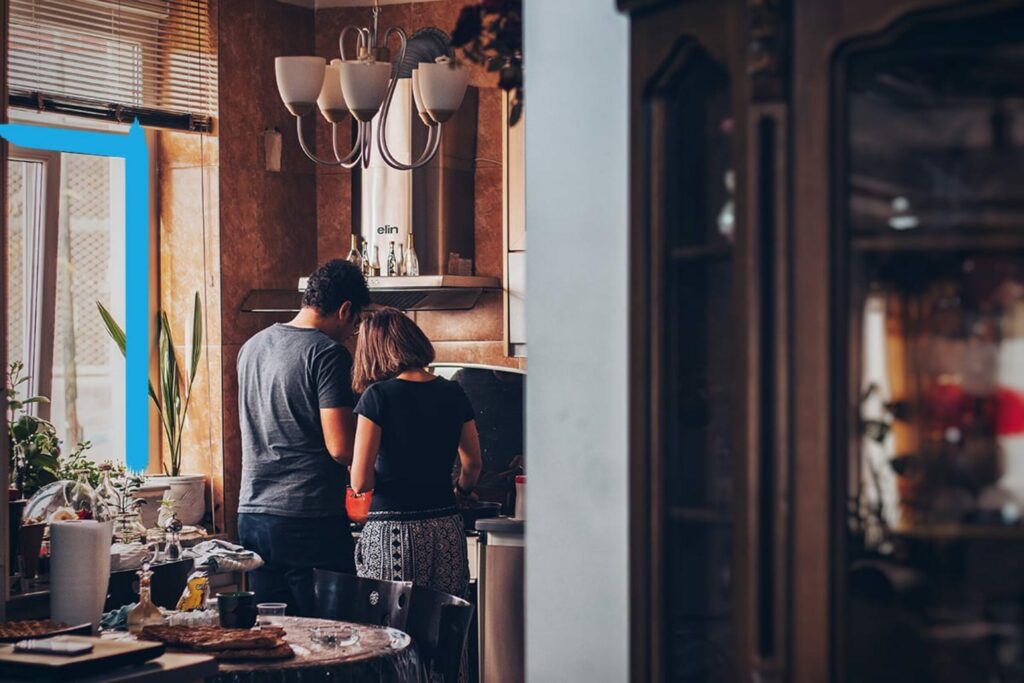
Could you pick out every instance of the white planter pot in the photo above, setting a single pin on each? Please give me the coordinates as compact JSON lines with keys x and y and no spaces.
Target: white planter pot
{"x":152,"y":493}
{"x":187,"y":492}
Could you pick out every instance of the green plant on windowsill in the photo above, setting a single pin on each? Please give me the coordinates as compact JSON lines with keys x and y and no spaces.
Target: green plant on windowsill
{"x":175,"y":389}
{"x":33,"y":445}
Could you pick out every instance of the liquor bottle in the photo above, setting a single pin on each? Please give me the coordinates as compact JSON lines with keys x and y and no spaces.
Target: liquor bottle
{"x":375,"y":266}
{"x":392,"y":261}
{"x":365,"y":258}
{"x":412,"y":262}
{"x":353,"y":253}
{"x":401,"y":260}
{"x":145,"y":613}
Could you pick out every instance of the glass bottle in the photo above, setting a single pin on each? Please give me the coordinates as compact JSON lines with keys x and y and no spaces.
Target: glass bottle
{"x":412,"y":262}
{"x":353,"y":253}
{"x":401,"y":260}
{"x":364,"y":258}
{"x":145,"y":613}
{"x":392,"y":261}
{"x":375,"y":266}
{"x":106,"y":491}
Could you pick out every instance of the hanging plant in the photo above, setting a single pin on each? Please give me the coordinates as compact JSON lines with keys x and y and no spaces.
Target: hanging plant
{"x":490,"y":32}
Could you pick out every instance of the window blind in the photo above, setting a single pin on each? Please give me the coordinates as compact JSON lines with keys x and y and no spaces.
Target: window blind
{"x":154,"y":60}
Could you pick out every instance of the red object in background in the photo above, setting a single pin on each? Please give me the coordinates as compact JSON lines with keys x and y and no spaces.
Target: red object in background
{"x":1009,"y":412}
{"x":947,"y":407}
{"x":357,"y":505}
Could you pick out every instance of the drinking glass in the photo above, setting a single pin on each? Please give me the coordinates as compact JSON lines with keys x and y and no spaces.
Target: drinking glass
{"x":270,"y":613}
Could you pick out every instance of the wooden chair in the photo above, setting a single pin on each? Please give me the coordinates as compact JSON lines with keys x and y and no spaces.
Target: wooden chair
{"x":344,"y":597}
{"x":439,"y":624}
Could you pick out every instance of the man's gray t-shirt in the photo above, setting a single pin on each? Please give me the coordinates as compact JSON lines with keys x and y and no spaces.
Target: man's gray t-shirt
{"x":285,"y":376}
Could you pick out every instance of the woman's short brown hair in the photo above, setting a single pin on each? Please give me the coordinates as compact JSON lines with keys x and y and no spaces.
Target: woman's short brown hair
{"x":389,"y":344}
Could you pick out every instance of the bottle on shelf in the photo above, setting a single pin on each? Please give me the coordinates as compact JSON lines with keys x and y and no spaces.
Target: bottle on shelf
{"x":145,"y":613}
{"x":412,"y":262}
{"x":375,"y":266}
{"x":353,"y":253}
{"x":364,"y":258}
{"x":392,"y":268}
{"x":401,"y":260}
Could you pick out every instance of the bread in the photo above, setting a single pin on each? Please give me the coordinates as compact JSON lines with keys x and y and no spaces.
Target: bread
{"x":215,"y":638}
{"x":28,"y":628}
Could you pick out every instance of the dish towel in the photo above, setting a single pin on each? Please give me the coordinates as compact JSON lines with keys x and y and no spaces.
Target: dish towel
{"x":220,"y":556}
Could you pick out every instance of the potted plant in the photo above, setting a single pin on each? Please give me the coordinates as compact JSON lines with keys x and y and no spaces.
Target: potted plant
{"x":187,"y":491}
{"x":490,"y":32}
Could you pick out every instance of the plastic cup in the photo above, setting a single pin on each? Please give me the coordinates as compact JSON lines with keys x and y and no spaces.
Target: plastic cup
{"x":270,"y":613}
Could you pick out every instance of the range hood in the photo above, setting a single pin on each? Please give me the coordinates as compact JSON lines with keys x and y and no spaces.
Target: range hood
{"x":422,"y":293}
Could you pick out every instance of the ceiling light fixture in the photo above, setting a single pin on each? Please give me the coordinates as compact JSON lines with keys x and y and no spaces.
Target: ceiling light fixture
{"x":365,"y":86}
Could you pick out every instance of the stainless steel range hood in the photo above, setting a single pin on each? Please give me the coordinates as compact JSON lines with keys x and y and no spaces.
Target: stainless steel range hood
{"x":423,"y":293}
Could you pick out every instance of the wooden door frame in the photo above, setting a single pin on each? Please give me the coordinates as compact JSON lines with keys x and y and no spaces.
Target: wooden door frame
{"x":657,"y":29}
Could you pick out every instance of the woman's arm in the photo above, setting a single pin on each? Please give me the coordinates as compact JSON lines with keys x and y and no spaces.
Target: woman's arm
{"x":469,"y":456}
{"x":365,"y":456}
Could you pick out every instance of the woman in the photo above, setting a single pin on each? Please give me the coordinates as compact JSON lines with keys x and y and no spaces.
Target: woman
{"x":411,"y":425}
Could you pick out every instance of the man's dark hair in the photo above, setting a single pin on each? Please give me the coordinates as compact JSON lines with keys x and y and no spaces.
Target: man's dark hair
{"x":334,"y":283}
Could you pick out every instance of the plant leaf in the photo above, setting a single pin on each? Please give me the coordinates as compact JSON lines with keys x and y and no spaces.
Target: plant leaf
{"x":36,"y":399}
{"x":197,"y":340}
{"x":113,"y":329}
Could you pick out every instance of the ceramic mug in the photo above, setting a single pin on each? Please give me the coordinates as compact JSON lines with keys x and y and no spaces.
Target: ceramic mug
{"x":237,"y":610}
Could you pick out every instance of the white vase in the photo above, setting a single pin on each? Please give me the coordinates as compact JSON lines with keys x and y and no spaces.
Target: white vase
{"x":187,"y":492}
{"x":152,"y":493}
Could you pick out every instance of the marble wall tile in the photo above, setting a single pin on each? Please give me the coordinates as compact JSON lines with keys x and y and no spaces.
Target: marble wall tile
{"x":333,"y":216}
{"x":480,"y":323}
{"x":480,"y":352}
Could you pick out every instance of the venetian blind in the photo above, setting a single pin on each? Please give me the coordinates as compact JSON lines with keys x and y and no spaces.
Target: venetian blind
{"x":115,"y":59}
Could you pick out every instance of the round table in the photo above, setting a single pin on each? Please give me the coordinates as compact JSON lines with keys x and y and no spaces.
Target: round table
{"x":380,"y":654}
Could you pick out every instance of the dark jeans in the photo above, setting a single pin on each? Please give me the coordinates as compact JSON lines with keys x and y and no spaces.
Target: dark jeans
{"x":291,"y":547}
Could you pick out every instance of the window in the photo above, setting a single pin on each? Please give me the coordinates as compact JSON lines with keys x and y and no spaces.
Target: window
{"x":66,"y":252}
{"x":115,"y":59}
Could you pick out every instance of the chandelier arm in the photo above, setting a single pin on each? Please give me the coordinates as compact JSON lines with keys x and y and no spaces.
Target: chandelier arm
{"x":367,"y":143}
{"x":433,"y":136}
{"x":356,"y":154}
{"x":305,"y":148}
{"x":363,"y":37}
{"x":357,"y":147}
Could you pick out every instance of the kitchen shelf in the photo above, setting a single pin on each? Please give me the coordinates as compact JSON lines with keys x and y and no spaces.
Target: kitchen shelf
{"x":421,"y":293}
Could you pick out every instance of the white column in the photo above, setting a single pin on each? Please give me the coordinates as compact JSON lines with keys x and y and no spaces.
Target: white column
{"x":577,"y":184}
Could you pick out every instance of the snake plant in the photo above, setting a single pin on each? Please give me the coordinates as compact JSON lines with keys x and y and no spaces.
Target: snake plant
{"x":175,"y":393}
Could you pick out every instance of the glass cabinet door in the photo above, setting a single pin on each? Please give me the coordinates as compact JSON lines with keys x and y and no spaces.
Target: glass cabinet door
{"x":930,"y":339}
{"x":692,"y":473}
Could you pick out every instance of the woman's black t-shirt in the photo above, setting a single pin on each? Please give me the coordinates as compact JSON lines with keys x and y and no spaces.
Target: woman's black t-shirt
{"x":421,"y":424}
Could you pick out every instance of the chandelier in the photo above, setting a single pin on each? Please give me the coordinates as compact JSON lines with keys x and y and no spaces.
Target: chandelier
{"x":365,"y":86}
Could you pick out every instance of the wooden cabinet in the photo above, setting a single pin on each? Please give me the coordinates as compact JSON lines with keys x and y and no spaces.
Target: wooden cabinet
{"x":825,"y":363}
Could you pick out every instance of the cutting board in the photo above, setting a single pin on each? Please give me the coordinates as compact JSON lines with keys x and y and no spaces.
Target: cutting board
{"x":105,"y":656}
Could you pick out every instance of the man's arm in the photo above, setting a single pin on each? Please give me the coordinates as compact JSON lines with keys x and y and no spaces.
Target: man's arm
{"x":339,"y":427}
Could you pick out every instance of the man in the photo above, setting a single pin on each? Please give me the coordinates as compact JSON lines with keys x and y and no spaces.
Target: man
{"x":295,"y":410}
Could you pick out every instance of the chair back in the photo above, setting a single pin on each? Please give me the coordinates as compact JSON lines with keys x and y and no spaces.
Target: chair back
{"x":166,"y":585}
{"x":439,"y":624}
{"x":344,"y":597}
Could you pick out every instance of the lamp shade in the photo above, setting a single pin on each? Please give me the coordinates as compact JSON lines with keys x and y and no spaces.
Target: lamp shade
{"x":299,"y":80}
{"x":332,"y":100}
{"x":418,"y":98}
{"x":364,"y":85}
{"x":442,"y":87}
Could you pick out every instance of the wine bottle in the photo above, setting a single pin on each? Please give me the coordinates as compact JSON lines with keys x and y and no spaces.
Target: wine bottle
{"x":353,"y":253}
{"x":375,"y":266}
{"x":392,"y":270}
{"x":412,"y":262}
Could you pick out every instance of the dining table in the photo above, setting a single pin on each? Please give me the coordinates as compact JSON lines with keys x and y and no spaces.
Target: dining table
{"x":372,"y":653}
